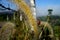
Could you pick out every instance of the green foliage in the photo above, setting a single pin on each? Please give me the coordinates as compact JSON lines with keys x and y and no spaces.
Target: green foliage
{"x":57,"y":31}
{"x":3,"y":17}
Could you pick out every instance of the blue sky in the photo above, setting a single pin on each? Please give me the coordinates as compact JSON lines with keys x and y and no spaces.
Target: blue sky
{"x":6,"y":3}
{"x":41,"y":6}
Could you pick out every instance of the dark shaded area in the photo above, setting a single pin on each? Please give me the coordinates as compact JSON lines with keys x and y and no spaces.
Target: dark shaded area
{"x":45,"y":34}
{"x":3,"y":16}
